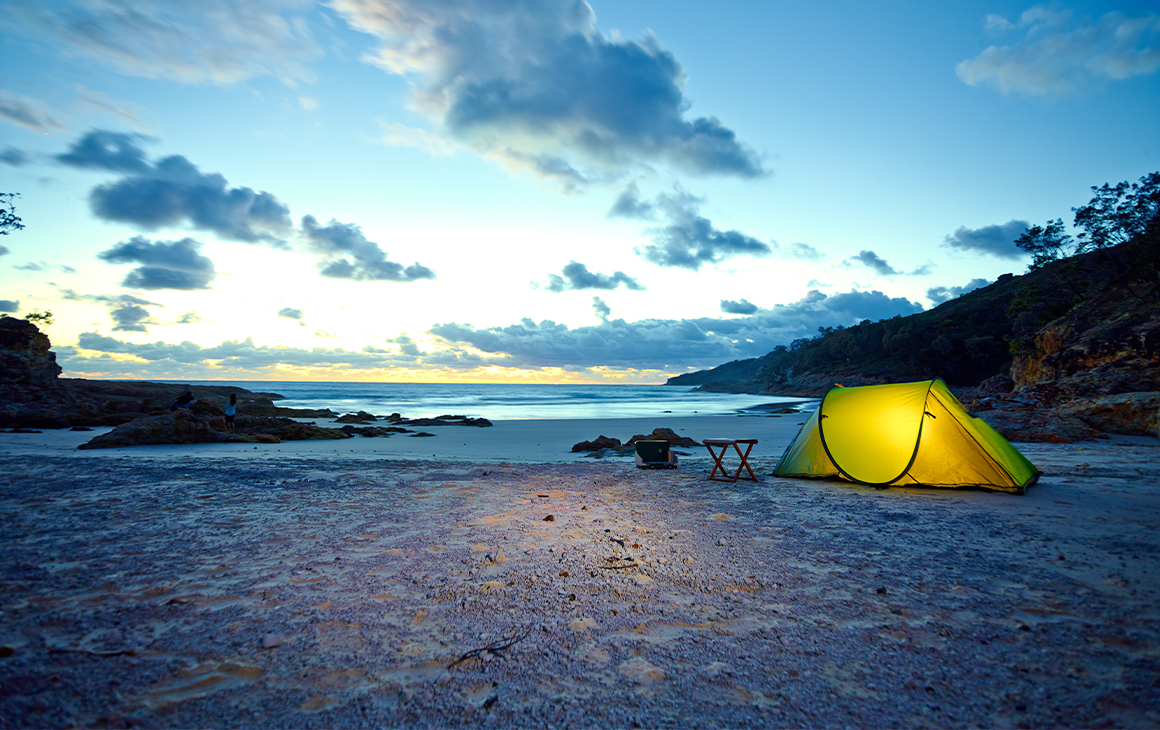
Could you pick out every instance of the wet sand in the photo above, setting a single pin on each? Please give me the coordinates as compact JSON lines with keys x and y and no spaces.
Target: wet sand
{"x":164,"y":587}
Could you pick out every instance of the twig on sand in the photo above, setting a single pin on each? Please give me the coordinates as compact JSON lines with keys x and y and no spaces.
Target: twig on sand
{"x":496,"y":648}
{"x":620,"y":567}
{"x":67,"y":650}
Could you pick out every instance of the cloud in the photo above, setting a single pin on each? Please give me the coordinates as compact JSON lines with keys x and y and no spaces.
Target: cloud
{"x":26,"y":112}
{"x":4,"y":251}
{"x":1056,"y":58}
{"x":107,"y":105}
{"x":577,"y":277}
{"x":997,"y":240}
{"x":407,"y":346}
{"x":689,"y":240}
{"x":802,"y":251}
{"x":166,"y":264}
{"x":14,"y":157}
{"x":9,"y":305}
{"x":658,"y":343}
{"x":127,"y":311}
{"x":32,"y":266}
{"x":940,"y":294}
{"x":188,"y":318}
{"x":230,"y":356}
{"x":308,"y":103}
{"x":104,"y":150}
{"x":630,"y":205}
{"x":601,"y":308}
{"x":366,"y":262}
{"x":873,"y":261}
{"x":206,"y":42}
{"x":291,"y":313}
{"x":174,"y":192}
{"x":131,"y":318}
{"x":537,"y":87}
{"x":744,"y":306}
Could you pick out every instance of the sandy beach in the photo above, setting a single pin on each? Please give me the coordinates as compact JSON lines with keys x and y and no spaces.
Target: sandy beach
{"x":489,"y":577}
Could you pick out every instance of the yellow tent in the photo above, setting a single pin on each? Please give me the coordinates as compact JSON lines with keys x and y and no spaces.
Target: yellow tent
{"x":900,"y":434}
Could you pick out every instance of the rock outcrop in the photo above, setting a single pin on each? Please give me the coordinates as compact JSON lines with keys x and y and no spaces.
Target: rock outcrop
{"x":597,"y":444}
{"x":33,"y":396}
{"x":184,"y":427}
{"x":25,"y":357}
{"x":604,"y":443}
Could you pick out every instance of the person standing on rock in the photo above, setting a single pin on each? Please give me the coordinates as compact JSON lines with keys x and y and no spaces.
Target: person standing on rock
{"x":231,"y":411}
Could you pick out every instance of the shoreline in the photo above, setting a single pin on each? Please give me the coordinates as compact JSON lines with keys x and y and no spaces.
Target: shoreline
{"x":518,"y":441}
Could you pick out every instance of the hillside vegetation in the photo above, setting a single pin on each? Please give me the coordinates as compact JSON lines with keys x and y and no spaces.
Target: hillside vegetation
{"x":1082,"y":303}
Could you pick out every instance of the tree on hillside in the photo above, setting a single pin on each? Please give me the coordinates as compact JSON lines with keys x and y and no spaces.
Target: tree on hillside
{"x":1045,"y":243}
{"x":1118,"y":214}
{"x":9,"y":221}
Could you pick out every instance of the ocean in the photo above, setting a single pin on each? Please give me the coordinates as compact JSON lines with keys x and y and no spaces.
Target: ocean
{"x":503,"y":401}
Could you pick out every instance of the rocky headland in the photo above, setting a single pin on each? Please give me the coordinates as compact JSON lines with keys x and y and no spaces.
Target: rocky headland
{"x":33,"y":396}
{"x":1068,"y":352}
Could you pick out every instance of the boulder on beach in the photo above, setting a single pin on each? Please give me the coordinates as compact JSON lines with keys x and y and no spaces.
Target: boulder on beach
{"x":664,"y":434}
{"x":444,"y":421}
{"x":178,"y":427}
{"x":600,"y":442}
{"x":361,"y":417}
{"x":184,"y":427}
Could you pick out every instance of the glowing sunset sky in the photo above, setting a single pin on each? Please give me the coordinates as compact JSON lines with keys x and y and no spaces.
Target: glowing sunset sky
{"x":411,"y":190}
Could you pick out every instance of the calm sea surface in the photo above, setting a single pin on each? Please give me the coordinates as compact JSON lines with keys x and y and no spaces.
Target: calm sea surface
{"x":504,"y":402}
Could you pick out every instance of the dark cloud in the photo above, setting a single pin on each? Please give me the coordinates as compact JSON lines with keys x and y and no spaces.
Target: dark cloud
{"x":577,"y":277}
{"x":130,"y":318}
{"x":873,"y":261}
{"x":689,"y":240}
{"x":601,"y":308}
{"x":646,"y":344}
{"x":209,"y":41}
{"x":997,"y":240}
{"x":537,"y":86}
{"x":9,"y":306}
{"x":104,"y":150}
{"x":629,"y":204}
{"x":407,"y":346}
{"x":940,"y":294}
{"x":166,"y":264}
{"x":174,"y":192}
{"x":367,"y":262}
{"x":1059,"y":56}
{"x":188,"y":318}
{"x":4,"y":251}
{"x":14,"y":157}
{"x":291,"y":313}
{"x":744,"y":306}
{"x":32,"y":266}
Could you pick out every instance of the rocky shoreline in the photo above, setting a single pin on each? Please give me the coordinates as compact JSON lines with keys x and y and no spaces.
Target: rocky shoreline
{"x":33,"y":396}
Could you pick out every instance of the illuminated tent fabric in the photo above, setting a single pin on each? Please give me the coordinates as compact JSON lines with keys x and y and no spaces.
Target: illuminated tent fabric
{"x":900,"y":434}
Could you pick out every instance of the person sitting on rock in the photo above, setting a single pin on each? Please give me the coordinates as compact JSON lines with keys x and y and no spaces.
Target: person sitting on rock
{"x":184,"y":402}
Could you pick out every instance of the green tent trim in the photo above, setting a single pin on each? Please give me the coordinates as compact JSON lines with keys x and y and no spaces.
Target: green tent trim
{"x":904,"y":434}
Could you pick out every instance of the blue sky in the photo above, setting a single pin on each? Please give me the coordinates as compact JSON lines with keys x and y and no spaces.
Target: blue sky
{"x":549,"y":191}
